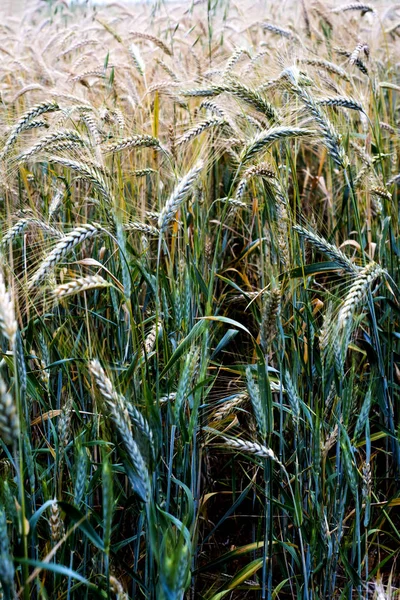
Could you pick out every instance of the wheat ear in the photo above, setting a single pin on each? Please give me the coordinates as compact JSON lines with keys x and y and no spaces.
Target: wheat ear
{"x":357,"y":293}
{"x":178,"y":196}
{"x":35,"y":111}
{"x":328,"y":249}
{"x":8,"y":324}
{"x":65,"y":245}
{"x":120,"y":418}
{"x":266,"y":138}
{"x":82,"y":284}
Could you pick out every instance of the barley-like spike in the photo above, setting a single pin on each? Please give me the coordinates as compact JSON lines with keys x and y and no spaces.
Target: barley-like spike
{"x":77,"y":46}
{"x":37,"y":124}
{"x":251,"y":448}
{"x":143,"y":227}
{"x":8,"y":324}
{"x":179,"y":194}
{"x":168,"y":398}
{"x":278,"y":30}
{"x":264,"y":139}
{"x":7,"y":570}
{"x":227,"y":407}
{"x":117,"y":589}
{"x":35,"y":111}
{"x":142,"y":426}
{"x":152,"y":38}
{"x":237,"y":204}
{"x":9,"y":421}
{"x":263,"y":170}
{"x":204,"y":92}
{"x":394,"y":180}
{"x":331,"y":137}
{"x":270,"y":311}
{"x":167,"y":69}
{"x":234,"y":58}
{"x":56,"y":524}
{"x":91,"y":126}
{"x":89,"y":73}
{"x":89,"y":171}
{"x":198,"y":129}
{"x":381,"y":191}
{"x":82,"y":284}
{"x":52,"y":138}
{"x":151,"y":337}
{"x":358,"y":62}
{"x":64,"y":246}
{"x":80,"y":475}
{"x":120,"y":417}
{"x":327,"y":66}
{"x":357,"y":292}
{"x":357,"y":51}
{"x":186,"y":381}
{"x":361,"y":153}
{"x":143,"y":172}
{"x":137,"y":59}
{"x":16,"y":230}
{"x":64,"y":422}
{"x":363,"y":8}
{"x":253,"y":98}
{"x":292,"y":396}
{"x":136,"y":141}
{"x":55,"y":204}
{"x":340,"y":101}
{"x":258,"y":408}
{"x":388,"y":127}
{"x":328,"y":249}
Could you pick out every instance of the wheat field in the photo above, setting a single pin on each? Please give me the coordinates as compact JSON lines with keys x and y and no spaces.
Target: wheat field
{"x":199,"y":301}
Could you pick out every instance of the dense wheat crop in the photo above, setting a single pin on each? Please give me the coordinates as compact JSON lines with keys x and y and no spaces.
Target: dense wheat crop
{"x":199,"y":301}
